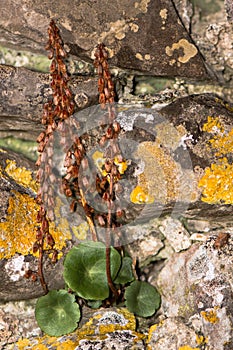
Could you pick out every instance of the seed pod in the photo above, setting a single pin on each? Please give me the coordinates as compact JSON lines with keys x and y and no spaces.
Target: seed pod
{"x":33,"y":277}
{"x":108,"y":166}
{"x":102,"y":98}
{"x":102,"y":141}
{"x":53,"y":66}
{"x":41,"y":137}
{"x":106,"y":92}
{"x":41,"y":147}
{"x":117,"y":187}
{"x":28,"y":274}
{"x":68,"y":192}
{"x":119,"y":212}
{"x":100,"y":84}
{"x":70,"y":108}
{"x":62,"y":52}
{"x":54,"y":256}
{"x":101,"y":220}
{"x":107,"y":75}
{"x":85,"y":181}
{"x":116,"y":126}
{"x":84,"y":163}
{"x":38,"y":162}
{"x":106,"y":196}
{"x":45,"y":225}
{"x":109,"y":133}
{"x":49,"y":239}
{"x":110,"y":84}
{"x":35,"y":247}
{"x":39,"y":234}
{"x":50,"y":54}
{"x":73,"y":206}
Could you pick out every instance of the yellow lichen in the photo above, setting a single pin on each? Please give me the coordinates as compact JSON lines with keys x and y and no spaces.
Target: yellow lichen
{"x":201,"y":340}
{"x":189,"y":50}
{"x":22,"y":343}
{"x":158,"y":181}
{"x":187,"y":347}
{"x":163,"y":179}
{"x":21,"y":175}
{"x":91,"y":330}
{"x":213,"y":125}
{"x":140,"y":196}
{"x":99,"y":161}
{"x":17,"y":233}
{"x":210,"y":316}
{"x":81,"y":230}
{"x":216,"y":182}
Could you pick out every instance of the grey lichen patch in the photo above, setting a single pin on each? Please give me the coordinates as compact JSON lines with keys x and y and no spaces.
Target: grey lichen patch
{"x":175,"y":233}
{"x":189,"y":51}
{"x":16,"y":267}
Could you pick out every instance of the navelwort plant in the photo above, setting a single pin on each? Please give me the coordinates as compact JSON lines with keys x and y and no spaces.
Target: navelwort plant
{"x":94,"y":272}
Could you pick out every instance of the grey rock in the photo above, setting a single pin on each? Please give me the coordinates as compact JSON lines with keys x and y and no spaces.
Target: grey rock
{"x":197,"y":286}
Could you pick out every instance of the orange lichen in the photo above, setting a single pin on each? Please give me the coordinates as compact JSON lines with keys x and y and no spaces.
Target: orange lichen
{"x":210,"y":316}
{"x":18,"y":231}
{"x":216,"y":183}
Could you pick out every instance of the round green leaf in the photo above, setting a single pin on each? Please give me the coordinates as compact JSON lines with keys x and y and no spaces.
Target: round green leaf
{"x":57,"y":313}
{"x":142,"y":299}
{"x":125,"y":274}
{"x":85,"y":270}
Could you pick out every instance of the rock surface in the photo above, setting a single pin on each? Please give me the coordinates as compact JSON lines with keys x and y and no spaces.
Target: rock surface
{"x":163,"y":45}
{"x":179,"y":184}
{"x":197,"y":287}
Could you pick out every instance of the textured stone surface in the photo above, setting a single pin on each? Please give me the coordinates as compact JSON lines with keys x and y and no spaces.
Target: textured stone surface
{"x":197,"y":286}
{"x":103,"y":329}
{"x":163,"y":46}
{"x":23,"y":93}
{"x":170,"y":158}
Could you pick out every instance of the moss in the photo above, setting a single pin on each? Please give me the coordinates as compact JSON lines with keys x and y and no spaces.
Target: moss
{"x":216,"y":182}
{"x":17,"y":233}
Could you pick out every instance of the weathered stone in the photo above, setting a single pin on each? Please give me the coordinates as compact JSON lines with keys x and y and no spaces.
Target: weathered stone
{"x":114,"y":328}
{"x":163,"y":46}
{"x":175,"y":233}
{"x":197,"y":286}
{"x":17,"y":320}
{"x":172,"y":334}
{"x":173,"y":170}
{"x":23,"y":93}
